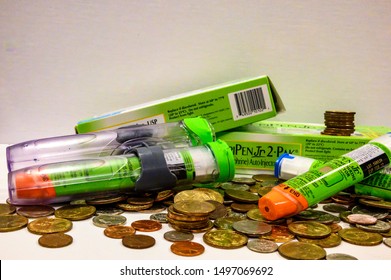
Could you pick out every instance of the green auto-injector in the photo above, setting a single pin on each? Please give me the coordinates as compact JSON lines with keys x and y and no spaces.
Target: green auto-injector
{"x":144,"y":169}
{"x":315,"y":185}
{"x":288,"y":166}
{"x":187,"y":132}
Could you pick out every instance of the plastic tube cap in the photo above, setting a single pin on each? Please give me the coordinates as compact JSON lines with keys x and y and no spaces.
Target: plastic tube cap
{"x":201,"y":131}
{"x":225,"y":160}
{"x":288,"y":166}
{"x":277,"y":204}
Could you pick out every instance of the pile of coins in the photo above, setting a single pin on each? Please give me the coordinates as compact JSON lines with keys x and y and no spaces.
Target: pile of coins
{"x":224,"y":215}
{"x":339,"y":123}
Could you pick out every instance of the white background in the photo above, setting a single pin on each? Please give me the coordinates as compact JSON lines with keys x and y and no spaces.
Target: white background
{"x":64,"y":61}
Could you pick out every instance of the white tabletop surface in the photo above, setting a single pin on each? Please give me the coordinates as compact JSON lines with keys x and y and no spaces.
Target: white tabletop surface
{"x":89,"y":242}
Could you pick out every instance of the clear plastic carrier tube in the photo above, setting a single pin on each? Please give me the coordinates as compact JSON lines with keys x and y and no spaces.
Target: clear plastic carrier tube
{"x":188,"y":132}
{"x":307,"y":189}
{"x":145,"y":169}
{"x":288,"y":166}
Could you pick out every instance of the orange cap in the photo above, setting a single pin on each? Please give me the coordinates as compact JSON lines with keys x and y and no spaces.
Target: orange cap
{"x":278,"y":204}
{"x":33,"y":185}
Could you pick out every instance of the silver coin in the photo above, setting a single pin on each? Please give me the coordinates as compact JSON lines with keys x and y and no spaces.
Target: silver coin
{"x":379,"y":227}
{"x":106,"y":220}
{"x":175,"y":235}
{"x":375,"y":212}
{"x":160,"y":217}
{"x":252,"y":228}
{"x":340,"y":256}
{"x":262,"y":245}
{"x":108,"y":211}
{"x":387,"y":241}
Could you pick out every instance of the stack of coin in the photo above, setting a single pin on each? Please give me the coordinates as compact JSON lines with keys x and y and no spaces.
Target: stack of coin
{"x":190,"y":215}
{"x":338,"y":123}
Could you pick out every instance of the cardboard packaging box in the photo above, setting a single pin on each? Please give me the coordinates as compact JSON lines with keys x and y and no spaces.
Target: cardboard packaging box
{"x":226,"y":106}
{"x":257,"y":146}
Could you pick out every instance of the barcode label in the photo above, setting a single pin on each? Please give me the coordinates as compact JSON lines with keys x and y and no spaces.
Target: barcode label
{"x":250,"y":102}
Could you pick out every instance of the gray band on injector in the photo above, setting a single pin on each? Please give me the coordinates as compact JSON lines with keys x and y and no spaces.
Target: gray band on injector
{"x":155,"y":175}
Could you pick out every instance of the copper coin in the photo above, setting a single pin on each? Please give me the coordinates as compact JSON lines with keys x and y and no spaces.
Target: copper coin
{"x":220,"y":210}
{"x":279,"y":234}
{"x":187,"y":248}
{"x":118,"y":231}
{"x":138,"y":241}
{"x":140,"y":200}
{"x":146,"y":225}
{"x":55,"y":240}
{"x":35,"y":211}
{"x":362,"y":219}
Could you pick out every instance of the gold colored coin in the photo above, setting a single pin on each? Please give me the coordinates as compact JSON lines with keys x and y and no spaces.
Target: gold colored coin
{"x":133,"y":207}
{"x":146,"y":225}
{"x":359,"y":237}
{"x":12,"y":222}
{"x":225,"y":239}
{"x":75,"y":212}
{"x":242,"y":196}
{"x":200,"y":194}
{"x":194,"y":207}
{"x":243,"y":207}
{"x":106,"y":199}
{"x":330,"y":241}
{"x":374,"y":203}
{"x":244,"y":180}
{"x":226,"y":222}
{"x":163,"y":195}
{"x":55,"y":240}
{"x":118,"y":231}
{"x":208,"y":226}
{"x":187,"y":248}
{"x":296,"y":250}
{"x":49,"y":225}
{"x":266,"y":179}
{"x":309,"y":229}
{"x":138,"y":241}
{"x":173,"y":214}
{"x":6,"y":209}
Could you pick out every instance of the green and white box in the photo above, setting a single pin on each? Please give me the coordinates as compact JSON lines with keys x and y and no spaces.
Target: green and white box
{"x":226,"y":106}
{"x":257,"y":146}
